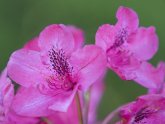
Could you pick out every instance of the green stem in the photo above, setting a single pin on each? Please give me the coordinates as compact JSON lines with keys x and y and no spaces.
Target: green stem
{"x":80,"y":115}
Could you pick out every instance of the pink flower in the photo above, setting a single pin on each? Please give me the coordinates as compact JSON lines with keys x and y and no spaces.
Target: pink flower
{"x":7,"y":116}
{"x":52,"y":68}
{"x":148,"y":109}
{"x":126,"y":45}
{"x":90,"y":113}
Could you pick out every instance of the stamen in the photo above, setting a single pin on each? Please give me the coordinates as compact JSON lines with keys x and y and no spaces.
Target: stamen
{"x":59,"y":62}
{"x":62,"y":80}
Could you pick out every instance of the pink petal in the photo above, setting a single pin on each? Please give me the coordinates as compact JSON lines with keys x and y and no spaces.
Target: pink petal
{"x":58,"y":36}
{"x":63,"y":101}
{"x":96,"y":93}
{"x":105,"y":36}
{"x":32,"y":44}
{"x":6,"y":91}
{"x":30,"y":102}
{"x":78,"y":35}
{"x":90,"y":62}
{"x":159,"y":76}
{"x":71,"y":116}
{"x":149,"y":76}
{"x":127,"y":18}
{"x":13,"y":118}
{"x":144,"y":43}
{"x":8,"y":94}
{"x":25,"y":67}
{"x":123,"y":63}
{"x":3,"y":78}
{"x":38,"y":104}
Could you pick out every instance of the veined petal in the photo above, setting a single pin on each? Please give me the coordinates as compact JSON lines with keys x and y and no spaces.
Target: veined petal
{"x":63,"y":101}
{"x":58,"y":36}
{"x":72,"y":112}
{"x":144,"y":43}
{"x":25,"y":67}
{"x":71,"y":116}
{"x":78,"y":35}
{"x":96,"y":93}
{"x":127,"y":18}
{"x":123,"y":64}
{"x":30,"y":102}
{"x":159,"y":76}
{"x":6,"y":91}
{"x":8,"y":94}
{"x":149,"y":76}
{"x":13,"y":118}
{"x":3,"y":78}
{"x":105,"y":36}
{"x":38,"y":104}
{"x":90,"y":62}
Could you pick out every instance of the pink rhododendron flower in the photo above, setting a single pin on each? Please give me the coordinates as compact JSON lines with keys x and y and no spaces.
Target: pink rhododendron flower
{"x":126,"y":45}
{"x":52,"y":68}
{"x":7,"y":116}
{"x":148,"y":109}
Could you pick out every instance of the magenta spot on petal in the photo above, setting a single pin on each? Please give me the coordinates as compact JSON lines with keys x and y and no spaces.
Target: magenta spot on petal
{"x":142,"y":114}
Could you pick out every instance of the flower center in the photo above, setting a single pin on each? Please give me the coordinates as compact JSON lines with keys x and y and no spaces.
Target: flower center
{"x":62,"y":69}
{"x":59,"y":63}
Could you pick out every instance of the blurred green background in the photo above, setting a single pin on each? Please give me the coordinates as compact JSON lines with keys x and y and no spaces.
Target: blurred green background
{"x":21,"y":20}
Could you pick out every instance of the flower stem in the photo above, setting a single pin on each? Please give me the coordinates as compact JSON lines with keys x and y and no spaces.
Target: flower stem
{"x":80,"y":115}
